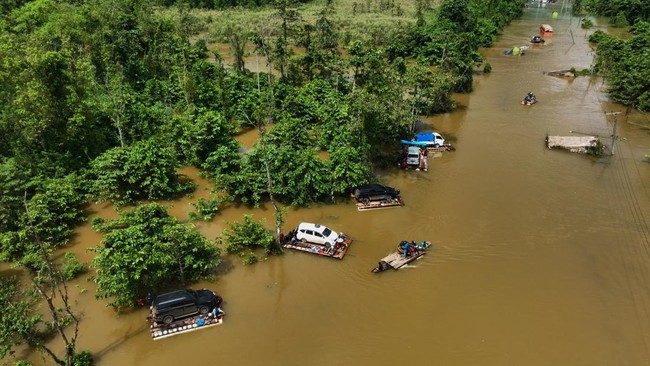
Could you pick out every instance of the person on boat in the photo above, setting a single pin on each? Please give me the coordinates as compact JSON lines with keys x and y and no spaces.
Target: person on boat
{"x":217,"y":313}
{"x":407,"y":248}
{"x":424,"y":245}
{"x":530,"y":98}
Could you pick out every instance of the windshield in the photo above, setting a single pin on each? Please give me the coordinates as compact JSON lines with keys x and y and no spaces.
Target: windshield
{"x":327,"y":232}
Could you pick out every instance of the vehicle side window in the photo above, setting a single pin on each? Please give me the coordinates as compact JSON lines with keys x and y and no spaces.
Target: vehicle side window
{"x":318,"y":235}
{"x":183,"y":303}
{"x":309,"y":232}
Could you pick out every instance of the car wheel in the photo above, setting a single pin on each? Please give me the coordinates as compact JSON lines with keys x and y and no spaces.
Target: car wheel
{"x":303,"y":241}
{"x":167,"y":319}
{"x":436,"y":145}
{"x":204,"y":310}
{"x":365,"y":201}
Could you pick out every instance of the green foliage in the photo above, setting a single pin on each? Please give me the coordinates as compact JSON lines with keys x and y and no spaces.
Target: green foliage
{"x":247,"y":234}
{"x":620,"y":21}
{"x":145,"y":170}
{"x":71,"y":266}
{"x":596,"y":151}
{"x":250,"y":258}
{"x":626,"y":65}
{"x":83,"y":358}
{"x":583,"y":72}
{"x":53,"y":213}
{"x":487,"y":68}
{"x":586,"y":24}
{"x":198,"y":133}
{"x":598,"y":36}
{"x":206,"y":209}
{"x":630,"y":11}
{"x":146,"y":250}
{"x":17,"y":324}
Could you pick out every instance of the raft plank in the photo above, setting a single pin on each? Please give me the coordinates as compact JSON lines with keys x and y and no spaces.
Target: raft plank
{"x":397,"y":202}
{"x":163,"y":331}
{"x":397,"y":260}
{"x":319,"y":249}
{"x":443,"y":148}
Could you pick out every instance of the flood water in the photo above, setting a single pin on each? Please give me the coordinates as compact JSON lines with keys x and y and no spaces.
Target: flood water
{"x":540,"y":257}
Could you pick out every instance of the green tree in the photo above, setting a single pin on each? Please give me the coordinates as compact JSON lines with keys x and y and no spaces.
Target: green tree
{"x":147,"y":250}
{"x":144,"y":170}
{"x":17,"y":321}
{"x":247,"y":234}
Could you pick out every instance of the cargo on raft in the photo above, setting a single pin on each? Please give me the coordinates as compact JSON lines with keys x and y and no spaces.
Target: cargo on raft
{"x":317,"y":239}
{"x":373,"y":205}
{"x":397,"y":259}
{"x":197,"y":322}
{"x":374,"y":196}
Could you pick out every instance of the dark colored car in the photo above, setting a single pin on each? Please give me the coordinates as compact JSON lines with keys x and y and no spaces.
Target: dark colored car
{"x":183,"y":303}
{"x":375,"y":192}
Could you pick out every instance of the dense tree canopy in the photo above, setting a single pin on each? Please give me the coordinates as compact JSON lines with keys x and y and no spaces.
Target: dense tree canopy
{"x":147,"y":250}
{"x":626,"y":65}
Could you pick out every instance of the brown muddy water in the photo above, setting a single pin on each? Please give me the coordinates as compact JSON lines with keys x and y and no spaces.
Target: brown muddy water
{"x":540,"y":257}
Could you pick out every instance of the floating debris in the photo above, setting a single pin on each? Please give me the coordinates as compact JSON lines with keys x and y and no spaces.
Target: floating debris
{"x":578,"y":144}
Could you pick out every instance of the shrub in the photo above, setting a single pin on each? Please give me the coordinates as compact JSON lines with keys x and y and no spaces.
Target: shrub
{"x":487,"y":68}
{"x":247,"y":235}
{"x":206,"y":209}
{"x":620,"y":21}
{"x":71,"y":266}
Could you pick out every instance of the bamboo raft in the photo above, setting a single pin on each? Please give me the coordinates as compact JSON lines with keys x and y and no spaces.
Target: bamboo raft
{"x":337,"y":251}
{"x":160,"y":331}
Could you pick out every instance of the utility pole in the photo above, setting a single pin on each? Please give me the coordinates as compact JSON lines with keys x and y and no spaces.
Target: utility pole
{"x":615,"y":114}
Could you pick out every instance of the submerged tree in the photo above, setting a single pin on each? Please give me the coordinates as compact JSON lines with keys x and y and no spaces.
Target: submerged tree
{"x":146,"y":250}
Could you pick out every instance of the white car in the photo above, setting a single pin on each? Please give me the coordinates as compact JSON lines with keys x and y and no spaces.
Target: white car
{"x":316,"y":233}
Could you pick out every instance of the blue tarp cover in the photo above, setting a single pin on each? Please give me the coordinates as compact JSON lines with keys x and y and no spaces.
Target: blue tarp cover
{"x":413,"y":143}
{"x":425,"y":136}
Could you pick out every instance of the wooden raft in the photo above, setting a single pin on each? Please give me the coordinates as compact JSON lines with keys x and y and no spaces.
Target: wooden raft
{"x":320,"y":249}
{"x":443,"y":148}
{"x":372,"y":205}
{"x":160,"y":331}
{"x":397,"y":260}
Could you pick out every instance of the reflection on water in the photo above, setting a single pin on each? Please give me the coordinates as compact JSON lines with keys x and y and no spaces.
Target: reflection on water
{"x":539,"y":257}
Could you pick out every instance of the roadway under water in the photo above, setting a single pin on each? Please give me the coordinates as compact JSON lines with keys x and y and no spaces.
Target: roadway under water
{"x":539,"y":257}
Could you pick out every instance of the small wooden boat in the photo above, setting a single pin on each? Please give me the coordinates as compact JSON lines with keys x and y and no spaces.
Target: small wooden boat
{"x":397,"y":259}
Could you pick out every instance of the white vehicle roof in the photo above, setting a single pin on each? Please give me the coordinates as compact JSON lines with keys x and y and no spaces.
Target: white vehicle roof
{"x":312,"y":226}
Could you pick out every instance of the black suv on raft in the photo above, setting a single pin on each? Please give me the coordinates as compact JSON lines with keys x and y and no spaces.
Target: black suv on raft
{"x":375,"y":192}
{"x":183,"y":303}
